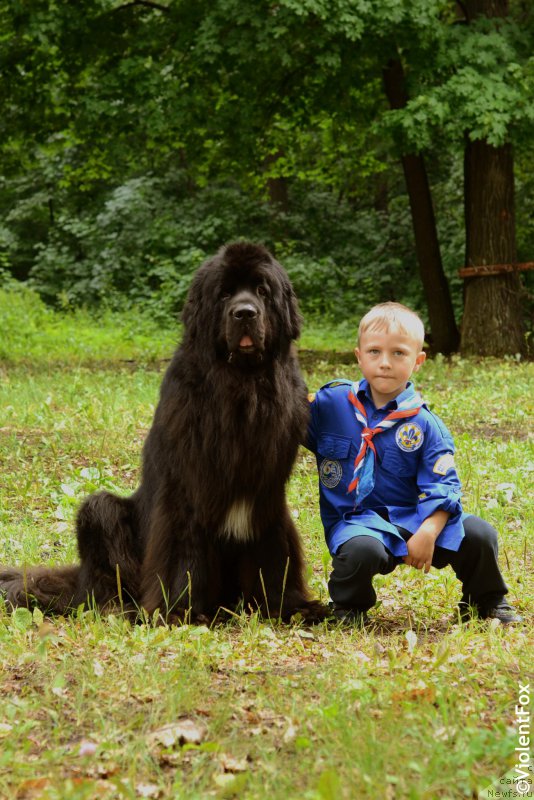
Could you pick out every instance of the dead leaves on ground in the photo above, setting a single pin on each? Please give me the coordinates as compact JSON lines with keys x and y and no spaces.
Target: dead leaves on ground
{"x":177,"y":743}
{"x":243,"y":726}
{"x":176,"y":734}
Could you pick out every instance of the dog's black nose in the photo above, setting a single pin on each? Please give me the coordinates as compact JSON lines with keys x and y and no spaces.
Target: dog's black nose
{"x":244,"y":311}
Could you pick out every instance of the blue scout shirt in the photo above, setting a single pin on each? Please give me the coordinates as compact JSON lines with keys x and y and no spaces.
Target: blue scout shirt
{"x":415,"y":474}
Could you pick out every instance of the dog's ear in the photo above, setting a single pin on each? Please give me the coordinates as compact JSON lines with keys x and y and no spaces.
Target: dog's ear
{"x":193,"y":305}
{"x":195,"y":309}
{"x":292,"y":316}
{"x":289,"y":307}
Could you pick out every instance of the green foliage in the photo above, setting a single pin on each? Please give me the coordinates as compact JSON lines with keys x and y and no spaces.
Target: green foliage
{"x":139,"y":245}
{"x":136,"y":138}
{"x":479,"y":80}
{"x":369,"y":257}
{"x":32,"y":330}
{"x":142,"y":248}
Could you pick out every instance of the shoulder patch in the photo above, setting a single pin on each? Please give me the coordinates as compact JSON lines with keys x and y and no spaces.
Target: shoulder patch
{"x":337,"y":382}
{"x":443,"y":464}
{"x":330,"y":385}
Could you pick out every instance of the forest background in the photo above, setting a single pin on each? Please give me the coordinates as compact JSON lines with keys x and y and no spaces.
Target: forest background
{"x":376,"y":147}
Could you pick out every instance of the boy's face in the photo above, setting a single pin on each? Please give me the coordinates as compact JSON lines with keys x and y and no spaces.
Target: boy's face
{"x":387,"y":360}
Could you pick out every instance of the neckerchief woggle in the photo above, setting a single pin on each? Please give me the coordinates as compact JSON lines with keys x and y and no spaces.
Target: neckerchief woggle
{"x":363,"y":479}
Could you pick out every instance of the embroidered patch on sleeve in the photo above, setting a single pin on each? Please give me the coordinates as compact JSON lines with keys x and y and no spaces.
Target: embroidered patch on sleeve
{"x":444,"y":464}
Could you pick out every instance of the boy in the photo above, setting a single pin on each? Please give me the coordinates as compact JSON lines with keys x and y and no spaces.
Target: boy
{"x":389,"y":491}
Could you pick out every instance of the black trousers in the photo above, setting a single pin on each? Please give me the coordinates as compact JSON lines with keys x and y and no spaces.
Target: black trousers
{"x":475,"y":564}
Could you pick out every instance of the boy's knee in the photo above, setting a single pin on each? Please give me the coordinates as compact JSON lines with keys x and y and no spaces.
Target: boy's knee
{"x":480,"y":533}
{"x":362,"y":554}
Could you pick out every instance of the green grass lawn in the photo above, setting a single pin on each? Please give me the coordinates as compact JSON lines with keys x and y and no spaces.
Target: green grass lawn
{"x":415,"y":707}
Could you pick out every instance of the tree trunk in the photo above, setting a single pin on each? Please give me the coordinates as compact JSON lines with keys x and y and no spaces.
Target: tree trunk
{"x":276,"y":187}
{"x":492,"y":304}
{"x":492,"y":322}
{"x":445,"y":335}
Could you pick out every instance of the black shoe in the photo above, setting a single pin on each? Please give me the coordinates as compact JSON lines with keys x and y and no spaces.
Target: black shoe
{"x":502,"y":611}
{"x":349,"y":616}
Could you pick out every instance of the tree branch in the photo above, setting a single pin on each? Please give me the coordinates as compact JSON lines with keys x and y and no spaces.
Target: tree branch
{"x":145,"y":3}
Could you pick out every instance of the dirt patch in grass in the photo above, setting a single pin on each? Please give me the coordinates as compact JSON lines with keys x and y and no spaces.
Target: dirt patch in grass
{"x":309,"y":359}
{"x":495,"y":430}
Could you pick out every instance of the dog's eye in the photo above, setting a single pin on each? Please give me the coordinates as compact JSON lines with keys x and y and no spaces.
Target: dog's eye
{"x":224,"y":295}
{"x":262,"y":291}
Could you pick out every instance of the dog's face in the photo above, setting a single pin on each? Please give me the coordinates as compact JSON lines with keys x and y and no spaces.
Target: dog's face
{"x":242,"y":303}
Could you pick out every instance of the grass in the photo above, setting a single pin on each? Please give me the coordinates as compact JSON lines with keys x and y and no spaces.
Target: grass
{"x":416,"y":707}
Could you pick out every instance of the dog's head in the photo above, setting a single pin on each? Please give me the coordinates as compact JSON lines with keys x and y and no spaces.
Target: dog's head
{"x":241,"y":303}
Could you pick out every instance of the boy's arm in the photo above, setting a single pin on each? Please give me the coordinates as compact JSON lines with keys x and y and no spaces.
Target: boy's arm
{"x":439,"y":493}
{"x":421,"y":544}
{"x":438,"y":483}
{"x":310,"y":438}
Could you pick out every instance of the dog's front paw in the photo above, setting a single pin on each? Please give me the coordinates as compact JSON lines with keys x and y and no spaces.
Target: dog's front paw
{"x":311,"y":611}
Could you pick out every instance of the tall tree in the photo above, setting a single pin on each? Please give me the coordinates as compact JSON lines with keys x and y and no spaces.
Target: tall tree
{"x":445,"y":334}
{"x":492,"y":323}
{"x":476,"y":93}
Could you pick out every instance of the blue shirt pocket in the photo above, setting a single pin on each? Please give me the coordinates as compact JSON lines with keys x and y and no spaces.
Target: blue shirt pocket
{"x":396,"y":461}
{"x":330,"y":445}
{"x":334,"y":465}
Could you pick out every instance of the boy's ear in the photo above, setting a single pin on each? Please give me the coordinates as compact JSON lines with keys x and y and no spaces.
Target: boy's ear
{"x":419,"y":361}
{"x":357,"y":354}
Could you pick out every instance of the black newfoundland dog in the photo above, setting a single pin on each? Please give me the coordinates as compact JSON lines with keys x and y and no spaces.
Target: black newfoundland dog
{"x":209,"y":526}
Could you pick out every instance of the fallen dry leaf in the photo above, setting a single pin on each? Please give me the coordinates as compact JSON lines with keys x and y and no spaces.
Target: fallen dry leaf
{"x":148,"y":790}
{"x":411,"y":639}
{"x":185,"y":731}
{"x":34,"y":788}
{"x":98,"y":668}
{"x":5,"y":728}
{"x":361,"y":655}
{"x":230,"y":785}
{"x":289,"y":734}
{"x":231,"y":764}
{"x":301,"y":634}
{"x":87,"y":748}
{"x":426,"y":693}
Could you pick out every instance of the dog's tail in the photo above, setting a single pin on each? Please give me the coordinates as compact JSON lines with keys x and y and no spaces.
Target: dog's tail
{"x":52,"y":589}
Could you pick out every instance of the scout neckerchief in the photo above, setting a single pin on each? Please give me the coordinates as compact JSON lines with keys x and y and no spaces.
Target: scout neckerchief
{"x":364,"y":466}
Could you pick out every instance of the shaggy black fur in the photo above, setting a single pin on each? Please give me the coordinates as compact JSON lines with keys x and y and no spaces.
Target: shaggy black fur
{"x":209,"y":525}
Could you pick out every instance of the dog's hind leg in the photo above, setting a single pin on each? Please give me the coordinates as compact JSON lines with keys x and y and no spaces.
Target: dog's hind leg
{"x":109,"y":552}
{"x":108,"y":575}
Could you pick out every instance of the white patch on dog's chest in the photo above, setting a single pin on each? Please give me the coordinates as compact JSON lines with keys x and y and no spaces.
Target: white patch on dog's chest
{"x":238,"y":522}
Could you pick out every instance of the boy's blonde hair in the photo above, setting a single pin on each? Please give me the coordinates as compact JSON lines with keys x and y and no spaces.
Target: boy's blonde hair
{"x":393,"y":318}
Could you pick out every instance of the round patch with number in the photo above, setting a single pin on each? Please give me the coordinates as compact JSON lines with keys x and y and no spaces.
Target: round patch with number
{"x":409,"y":436}
{"x":330,"y":473}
